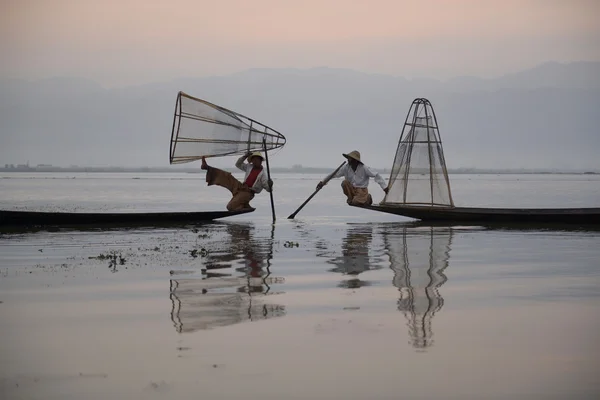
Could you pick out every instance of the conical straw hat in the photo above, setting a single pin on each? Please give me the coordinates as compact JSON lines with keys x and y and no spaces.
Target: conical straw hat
{"x":256,"y":154}
{"x":355,"y":155}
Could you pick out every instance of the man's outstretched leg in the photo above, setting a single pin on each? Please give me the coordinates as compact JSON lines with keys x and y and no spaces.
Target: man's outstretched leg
{"x":241,"y":195}
{"x":216,"y":176}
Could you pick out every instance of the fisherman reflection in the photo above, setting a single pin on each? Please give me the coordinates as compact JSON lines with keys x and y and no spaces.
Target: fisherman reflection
{"x":354,"y":259}
{"x":228,"y":294}
{"x":418,"y":259}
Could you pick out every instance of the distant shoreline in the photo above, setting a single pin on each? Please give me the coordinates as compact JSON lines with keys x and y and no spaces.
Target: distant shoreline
{"x":295,"y":170}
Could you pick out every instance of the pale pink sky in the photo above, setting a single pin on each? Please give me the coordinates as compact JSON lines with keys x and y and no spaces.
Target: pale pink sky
{"x":119,"y":42}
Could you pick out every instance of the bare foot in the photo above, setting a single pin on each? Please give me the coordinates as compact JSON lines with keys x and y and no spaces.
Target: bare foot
{"x":204,"y":164}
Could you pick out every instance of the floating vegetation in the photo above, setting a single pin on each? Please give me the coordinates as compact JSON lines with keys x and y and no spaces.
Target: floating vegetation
{"x":202,"y":252}
{"x":201,"y":235}
{"x":174,"y":272}
{"x":114,"y":258}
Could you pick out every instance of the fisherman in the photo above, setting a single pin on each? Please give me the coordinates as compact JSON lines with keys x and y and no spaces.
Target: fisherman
{"x":254,"y":182}
{"x":356,"y":182}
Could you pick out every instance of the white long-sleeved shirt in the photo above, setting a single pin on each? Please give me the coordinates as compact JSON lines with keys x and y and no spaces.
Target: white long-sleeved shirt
{"x":261,"y":182}
{"x":360,"y":177}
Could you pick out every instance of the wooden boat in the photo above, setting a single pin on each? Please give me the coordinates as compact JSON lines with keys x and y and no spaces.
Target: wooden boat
{"x":568,"y":216}
{"x":38,"y":218}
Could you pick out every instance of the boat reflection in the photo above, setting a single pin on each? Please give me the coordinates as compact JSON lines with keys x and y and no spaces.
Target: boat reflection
{"x":228,"y":293}
{"x":418,"y":258}
{"x":355,"y":258}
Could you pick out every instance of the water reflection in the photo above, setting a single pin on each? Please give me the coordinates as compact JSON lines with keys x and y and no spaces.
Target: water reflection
{"x":355,"y":258}
{"x":228,"y":293}
{"x":418,"y":258}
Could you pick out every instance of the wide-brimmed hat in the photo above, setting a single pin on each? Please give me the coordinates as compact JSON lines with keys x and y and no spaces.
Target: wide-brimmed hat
{"x":257,"y":154}
{"x":355,"y":155}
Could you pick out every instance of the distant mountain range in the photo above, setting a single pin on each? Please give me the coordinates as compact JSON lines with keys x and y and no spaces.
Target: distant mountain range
{"x":545,"y":118}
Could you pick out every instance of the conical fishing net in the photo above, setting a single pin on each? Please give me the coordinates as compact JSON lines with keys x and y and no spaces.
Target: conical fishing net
{"x":419,"y":175}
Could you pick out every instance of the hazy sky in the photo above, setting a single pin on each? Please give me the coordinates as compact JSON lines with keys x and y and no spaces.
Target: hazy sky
{"x":117,"y":42}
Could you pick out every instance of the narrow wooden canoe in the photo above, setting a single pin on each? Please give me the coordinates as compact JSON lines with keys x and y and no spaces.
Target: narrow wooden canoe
{"x":578,"y":216}
{"x":37,"y":218}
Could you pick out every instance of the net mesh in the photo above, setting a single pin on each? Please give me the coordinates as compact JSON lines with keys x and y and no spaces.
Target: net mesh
{"x":202,"y":129}
{"x":419,"y":175}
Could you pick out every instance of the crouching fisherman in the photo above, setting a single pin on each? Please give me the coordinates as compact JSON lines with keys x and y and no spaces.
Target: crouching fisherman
{"x":254,"y":182}
{"x":356,"y":182}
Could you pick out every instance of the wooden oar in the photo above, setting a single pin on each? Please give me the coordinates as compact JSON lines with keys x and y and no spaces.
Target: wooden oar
{"x":316,"y":191}
{"x":269,"y":177}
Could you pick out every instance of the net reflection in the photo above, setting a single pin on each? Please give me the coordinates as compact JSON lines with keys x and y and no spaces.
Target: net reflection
{"x":418,"y":259}
{"x":226,"y":294}
{"x":355,"y":258}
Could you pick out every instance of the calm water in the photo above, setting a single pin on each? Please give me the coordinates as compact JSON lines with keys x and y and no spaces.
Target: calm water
{"x":338,"y":303}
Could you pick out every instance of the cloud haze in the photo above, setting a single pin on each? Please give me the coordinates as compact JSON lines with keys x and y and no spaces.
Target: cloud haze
{"x":546,"y":117}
